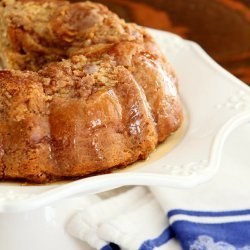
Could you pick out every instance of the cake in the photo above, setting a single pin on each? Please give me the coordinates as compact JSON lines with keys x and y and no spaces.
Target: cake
{"x":82,"y":91}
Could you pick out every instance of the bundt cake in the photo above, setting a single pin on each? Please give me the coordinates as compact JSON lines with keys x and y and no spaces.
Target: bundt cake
{"x":82,"y":91}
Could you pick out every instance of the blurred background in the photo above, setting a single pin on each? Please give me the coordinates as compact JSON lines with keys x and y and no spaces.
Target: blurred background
{"x":221,"y":27}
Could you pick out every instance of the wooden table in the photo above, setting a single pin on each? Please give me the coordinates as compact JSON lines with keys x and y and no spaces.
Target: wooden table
{"x":221,"y":27}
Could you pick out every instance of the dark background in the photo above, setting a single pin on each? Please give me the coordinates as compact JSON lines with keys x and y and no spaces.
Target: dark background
{"x":221,"y":27}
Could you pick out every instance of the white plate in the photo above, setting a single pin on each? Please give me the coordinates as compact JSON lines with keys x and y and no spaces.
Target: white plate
{"x":215,"y":103}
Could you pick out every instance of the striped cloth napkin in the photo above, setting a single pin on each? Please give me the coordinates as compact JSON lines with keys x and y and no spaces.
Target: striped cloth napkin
{"x":212,"y":216}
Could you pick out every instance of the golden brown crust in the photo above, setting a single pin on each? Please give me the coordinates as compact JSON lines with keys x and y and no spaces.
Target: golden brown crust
{"x":158,"y":84}
{"x":24,"y":121}
{"x":107,"y":105}
{"x":73,"y":118}
{"x":36,"y":33}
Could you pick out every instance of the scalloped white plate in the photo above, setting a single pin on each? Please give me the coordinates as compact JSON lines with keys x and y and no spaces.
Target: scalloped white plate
{"x":215,"y":103}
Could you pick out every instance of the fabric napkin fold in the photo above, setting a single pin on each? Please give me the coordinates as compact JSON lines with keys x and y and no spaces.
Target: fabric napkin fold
{"x":122,"y":220}
{"x":212,"y":216}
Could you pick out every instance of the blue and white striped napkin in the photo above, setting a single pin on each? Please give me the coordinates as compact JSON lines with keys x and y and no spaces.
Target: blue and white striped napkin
{"x":212,"y":216}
